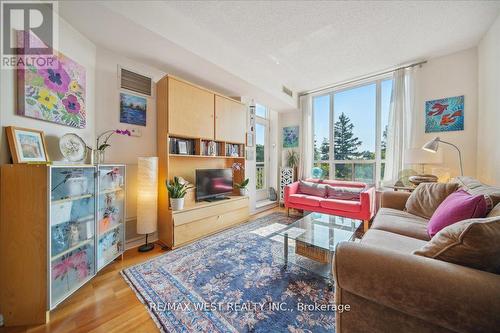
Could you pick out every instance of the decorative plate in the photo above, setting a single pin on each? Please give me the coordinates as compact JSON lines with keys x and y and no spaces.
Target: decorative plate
{"x":72,"y":147}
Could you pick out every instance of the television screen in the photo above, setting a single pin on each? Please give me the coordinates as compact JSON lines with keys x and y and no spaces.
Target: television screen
{"x":211,"y":183}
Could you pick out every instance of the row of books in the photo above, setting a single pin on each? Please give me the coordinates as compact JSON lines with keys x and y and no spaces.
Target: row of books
{"x":209,"y":148}
{"x":181,"y":146}
{"x":232,"y":150}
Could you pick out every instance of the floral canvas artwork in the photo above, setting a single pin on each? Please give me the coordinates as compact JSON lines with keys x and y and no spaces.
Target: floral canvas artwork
{"x":53,"y":94}
{"x":446,"y":114}
{"x":291,"y":137}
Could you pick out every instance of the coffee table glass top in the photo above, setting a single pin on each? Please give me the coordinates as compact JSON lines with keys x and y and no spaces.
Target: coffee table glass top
{"x":322,"y":230}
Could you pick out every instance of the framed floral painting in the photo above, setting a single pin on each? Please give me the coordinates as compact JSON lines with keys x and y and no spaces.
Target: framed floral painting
{"x":291,"y":137}
{"x":54,"y":94}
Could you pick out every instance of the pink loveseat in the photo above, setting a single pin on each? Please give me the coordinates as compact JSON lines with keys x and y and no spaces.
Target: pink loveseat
{"x":363,"y":209}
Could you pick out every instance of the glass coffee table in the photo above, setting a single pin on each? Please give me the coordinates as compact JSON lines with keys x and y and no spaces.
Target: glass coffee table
{"x":316,"y":235}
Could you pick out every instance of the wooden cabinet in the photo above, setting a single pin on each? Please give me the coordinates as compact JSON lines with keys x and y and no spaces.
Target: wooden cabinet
{"x":51,"y":242}
{"x":230,"y":120}
{"x":187,"y":112}
{"x":207,"y":218}
{"x":190,"y":110}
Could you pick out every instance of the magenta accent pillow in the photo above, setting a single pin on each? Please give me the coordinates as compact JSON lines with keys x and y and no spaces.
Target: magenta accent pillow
{"x":458,"y":206}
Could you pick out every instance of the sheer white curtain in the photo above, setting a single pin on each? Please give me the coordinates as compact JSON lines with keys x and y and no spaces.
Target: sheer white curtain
{"x":305,"y":135}
{"x":399,"y":129}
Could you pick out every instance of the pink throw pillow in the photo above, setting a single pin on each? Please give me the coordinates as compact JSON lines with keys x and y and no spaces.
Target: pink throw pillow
{"x":458,"y":206}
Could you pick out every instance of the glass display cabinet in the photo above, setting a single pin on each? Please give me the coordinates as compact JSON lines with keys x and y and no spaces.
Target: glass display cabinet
{"x":87,"y":224}
{"x":71,"y":230}
{"x":62,"y":224}
{"x":110,"y":212}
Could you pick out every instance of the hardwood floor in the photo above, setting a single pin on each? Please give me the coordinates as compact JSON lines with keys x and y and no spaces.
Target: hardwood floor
{"x":106,"y":303}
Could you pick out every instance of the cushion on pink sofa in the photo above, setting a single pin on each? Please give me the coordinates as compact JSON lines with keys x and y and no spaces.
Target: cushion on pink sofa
{"x":458,"y":206}
{"x":304,"y":199}
{"x":310,"y":188}
{"x":343,"y":192}
{"x":343,"y":205}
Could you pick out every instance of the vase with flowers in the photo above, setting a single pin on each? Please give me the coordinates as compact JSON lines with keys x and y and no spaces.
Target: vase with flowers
{"x":102,"y":143}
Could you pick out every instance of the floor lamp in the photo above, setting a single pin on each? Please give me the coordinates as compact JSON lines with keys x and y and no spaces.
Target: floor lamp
{"x":147,"y":198}
{"x":433,"y":146}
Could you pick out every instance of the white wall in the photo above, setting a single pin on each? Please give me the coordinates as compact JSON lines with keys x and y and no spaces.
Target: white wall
{"x":488,"y":133}
{"x":452,"y":75}
{"x":75,"y":46}
{"x":124,"y":149}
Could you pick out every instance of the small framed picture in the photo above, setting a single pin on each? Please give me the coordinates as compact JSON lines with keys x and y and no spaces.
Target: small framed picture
{"x":182,"y":147}
{"x":26,"y":145}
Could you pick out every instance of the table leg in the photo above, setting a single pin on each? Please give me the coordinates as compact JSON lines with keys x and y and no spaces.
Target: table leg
{"x":285,"y":249}
{"x":330,"y":272}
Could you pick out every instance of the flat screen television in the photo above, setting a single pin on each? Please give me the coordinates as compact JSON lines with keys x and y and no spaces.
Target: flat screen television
{"x":213,"y":184}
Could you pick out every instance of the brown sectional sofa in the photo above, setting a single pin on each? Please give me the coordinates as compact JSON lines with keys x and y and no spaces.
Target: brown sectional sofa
{"x":389,"y":289}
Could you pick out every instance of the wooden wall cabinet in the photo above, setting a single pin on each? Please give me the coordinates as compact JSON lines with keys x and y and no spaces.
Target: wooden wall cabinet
{"x":191,"y":110}
{"x":59,"y":226}
{"x":230,"y":120}
{"x":187,"y":111}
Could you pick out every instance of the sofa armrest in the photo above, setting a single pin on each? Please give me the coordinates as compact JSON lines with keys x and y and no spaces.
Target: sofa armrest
{"x":394,"y":199}
{"x":293,"y":188}
{"x":455,"y":297}
{"x":367,"y":199}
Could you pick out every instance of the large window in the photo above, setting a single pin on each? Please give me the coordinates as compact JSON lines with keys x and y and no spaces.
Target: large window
{"x":350,"y":131}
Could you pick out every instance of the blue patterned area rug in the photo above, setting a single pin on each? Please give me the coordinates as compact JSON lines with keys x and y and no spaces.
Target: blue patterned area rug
{"x":234,"y":281}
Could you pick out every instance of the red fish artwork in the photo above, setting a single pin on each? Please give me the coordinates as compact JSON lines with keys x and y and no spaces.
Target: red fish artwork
{"x":450,"y":118}
{"x":438,"y":109}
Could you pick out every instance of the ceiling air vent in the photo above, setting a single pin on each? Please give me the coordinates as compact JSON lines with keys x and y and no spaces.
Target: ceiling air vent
{"x":135,"y":82}
{"x":287,"y":91}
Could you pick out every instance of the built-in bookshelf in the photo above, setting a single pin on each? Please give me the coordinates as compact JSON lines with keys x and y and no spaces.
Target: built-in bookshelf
{"x":180,"y":146}
{"x":197,"y":129}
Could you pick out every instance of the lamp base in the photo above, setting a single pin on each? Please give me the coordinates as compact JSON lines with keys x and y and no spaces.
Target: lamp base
{"x":146,"y":247}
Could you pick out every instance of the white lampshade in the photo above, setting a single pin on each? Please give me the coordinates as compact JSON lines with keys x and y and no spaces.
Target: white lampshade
{"x":147,"y":194}
{"x":421,"y":156}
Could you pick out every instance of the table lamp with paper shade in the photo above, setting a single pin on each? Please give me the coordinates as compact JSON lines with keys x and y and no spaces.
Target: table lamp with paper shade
{"x":422,"y":157}
{"x":147,"y":198}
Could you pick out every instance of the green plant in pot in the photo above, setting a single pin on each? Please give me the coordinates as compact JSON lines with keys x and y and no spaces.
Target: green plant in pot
{"x":176,"y":192}
{"x":242,"y":186}
{"x":292,"y":161}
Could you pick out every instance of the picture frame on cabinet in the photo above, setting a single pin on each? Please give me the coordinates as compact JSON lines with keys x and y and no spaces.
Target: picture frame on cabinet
{"x":26,"y":145}
{"x":182,"y":147}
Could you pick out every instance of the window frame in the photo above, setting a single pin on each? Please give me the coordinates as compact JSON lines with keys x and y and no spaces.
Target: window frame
{"x":263,"y":121}
{"x":377,"y":162}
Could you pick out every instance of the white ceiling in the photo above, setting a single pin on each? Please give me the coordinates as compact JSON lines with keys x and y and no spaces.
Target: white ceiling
{"x":252,"y":48}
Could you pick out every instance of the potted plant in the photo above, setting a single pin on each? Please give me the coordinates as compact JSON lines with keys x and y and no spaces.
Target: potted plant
{"x":292,"y":161}
{"x":242,"y":186}
{"x":176,"y":191}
